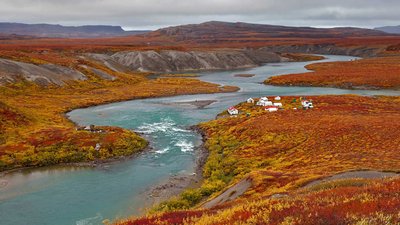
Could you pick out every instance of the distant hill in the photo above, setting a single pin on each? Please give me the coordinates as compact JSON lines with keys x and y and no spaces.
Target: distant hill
{"x":389,"y":29}
{"x":59,"y":31}
{"x":14,"y":37}
{"x":244,"y":31}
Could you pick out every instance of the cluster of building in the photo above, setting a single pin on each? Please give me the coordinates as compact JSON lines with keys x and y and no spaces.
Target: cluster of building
{"x":271,"y":106}
{"x":268,"y":104}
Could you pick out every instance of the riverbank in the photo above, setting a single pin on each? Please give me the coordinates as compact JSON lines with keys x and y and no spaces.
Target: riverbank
{"x":266,"y":146}
{"x":183,"y":202}
{"x":199,"y":104}
{"x":244,"y":75}
{"x":177,"y":184}
{"x":36,"y":132}
{"x":281,"y":153}
{"x":99,"y":164}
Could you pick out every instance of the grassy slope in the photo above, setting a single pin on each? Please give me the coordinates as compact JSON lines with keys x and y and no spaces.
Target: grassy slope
{"x":374,"y":73}
{"x":282,"y":151}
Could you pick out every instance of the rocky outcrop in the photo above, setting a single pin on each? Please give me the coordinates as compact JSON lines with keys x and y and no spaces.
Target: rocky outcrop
{"x":180,"y":61}
{"x":173,"y":61}
{"x":12,"y":71}
{"x":169,"y":61}
{"x":145,"y":61}
{"x":101,"y":74}
{"x":108,"y":61}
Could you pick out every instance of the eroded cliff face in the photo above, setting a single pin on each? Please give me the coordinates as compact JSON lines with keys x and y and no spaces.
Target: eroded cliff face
{"x":12,"y":71}
{"x":180,"y":61}
{"x":169,"y":61}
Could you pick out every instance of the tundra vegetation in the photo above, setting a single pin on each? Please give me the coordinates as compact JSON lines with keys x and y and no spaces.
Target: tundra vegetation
{"x":280,"y":152}
{"x":374,"y":202}
{"x":35,"y":132}
{"x":32,"y":115}
{"x":373,"y":73}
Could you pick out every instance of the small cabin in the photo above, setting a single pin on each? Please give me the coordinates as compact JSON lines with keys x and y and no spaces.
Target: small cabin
{"x":98,"y":146}
{"x":262,"y":99}
{"x":271,"y":108}
{"x":265,"y":103}
{"x":278,"y":104}
{"x":250,"y":100}
{"x":277,"y":98}
{"x":89,"y":128}
{"x":233,"y":111}
{"x":307,"y":104}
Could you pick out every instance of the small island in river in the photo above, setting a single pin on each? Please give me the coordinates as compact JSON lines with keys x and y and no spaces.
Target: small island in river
{"x":244,"y":75}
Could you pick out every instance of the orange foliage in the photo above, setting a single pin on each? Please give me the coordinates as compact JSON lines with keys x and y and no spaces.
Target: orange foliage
{"x":35,"y":132}
{"x":371,"y":73}
{"x":284,"y":150}
{"x":160,"y":42}
{"x":342,"y":133}
{"x":374,"y":203}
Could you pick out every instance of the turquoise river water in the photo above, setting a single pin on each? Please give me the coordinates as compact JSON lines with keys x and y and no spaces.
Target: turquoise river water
{"x":85,"y":196}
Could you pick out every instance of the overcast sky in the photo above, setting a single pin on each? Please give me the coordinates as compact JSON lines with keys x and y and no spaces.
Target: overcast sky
{"x":152,"y":14}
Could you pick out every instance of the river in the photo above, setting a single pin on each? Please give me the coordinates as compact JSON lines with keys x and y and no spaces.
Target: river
{"x":83,"y":196}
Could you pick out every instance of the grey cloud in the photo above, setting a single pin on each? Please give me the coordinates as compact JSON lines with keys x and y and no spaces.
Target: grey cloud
{"x":158,"y":13}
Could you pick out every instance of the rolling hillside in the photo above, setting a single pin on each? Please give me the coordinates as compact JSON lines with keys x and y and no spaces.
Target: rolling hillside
{"x":389,"y":29}
{"x":59,"y":31}
{"x":219,"y":31}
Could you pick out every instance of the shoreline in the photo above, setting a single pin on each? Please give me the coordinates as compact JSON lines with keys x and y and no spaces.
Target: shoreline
{"x":244,"y":75}
{"x":100,"y":162}
{"x":176,"y":184}
{"x":89,"y":164}
{"x":142,"y":98}
{"x":344,"y":87}
{"x":172,"y":186}
{"x":199,"y":104}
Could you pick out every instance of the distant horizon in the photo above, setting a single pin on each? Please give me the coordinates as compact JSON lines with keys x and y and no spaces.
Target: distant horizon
{"x":155,"y":27}
{"x":155,"y":14}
